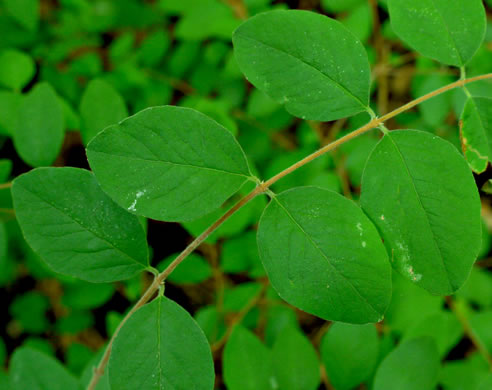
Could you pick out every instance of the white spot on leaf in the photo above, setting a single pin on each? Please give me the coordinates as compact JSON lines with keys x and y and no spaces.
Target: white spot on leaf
{"x":138,"y":195}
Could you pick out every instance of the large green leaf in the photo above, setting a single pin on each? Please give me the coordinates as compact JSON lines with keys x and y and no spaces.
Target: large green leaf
{"x":161,"y":347}
{"x":448,"y":31}
{"x":100,"y":107}
{"x":246,"y":362}
{"x":168,"y":163}
{"x":324,"y":256}
{"x":39,"y":132}
{"x":420,"y":193}
{"x":307,"y":61}
{"x":413,"y":365}
{"x":476,"y":132}
{"x":33,"y":370}
{"x":76,"y":228}
{"x":295,"y":362}
{"x":350,"y":353}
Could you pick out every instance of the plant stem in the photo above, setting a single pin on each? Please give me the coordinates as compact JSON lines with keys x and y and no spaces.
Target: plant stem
{"x":5,"y":185}
{"x":261,"y":188}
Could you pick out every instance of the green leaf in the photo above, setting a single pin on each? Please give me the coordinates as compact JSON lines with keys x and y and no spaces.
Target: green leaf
{"x":476,"y":132}
{"x":349,"y":353}
{"x":9,"y":106}
{"x":39,"y":133}
{"x":33,"y":370}
{"x":486,"y":384}
{"x":246,"y":362}
{"x":76,"y":228}
{"x":24,"y":12}
{"x":324,"y":256}
{"x":161,"y":346}
{"x":100,"y":107}
{"x":16,"y":69}
{"x":295,"y":362}
{"x":178,"y":164}
{"x":447,"y":31}
{"x":413,"y":365}
{"x":339,"y":5}
{"x":307,"y":61}
{"x":420,"y":193}
{"x":443,"y":327}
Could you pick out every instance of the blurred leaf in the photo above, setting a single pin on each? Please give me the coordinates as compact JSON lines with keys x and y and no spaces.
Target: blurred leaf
{"x":24,"y":12}
{"x":194,"y":270}
{"x":30,"y":310}
{"x":40,"y":128}
{"x":16,"y":69}
{"x":350,"y":354}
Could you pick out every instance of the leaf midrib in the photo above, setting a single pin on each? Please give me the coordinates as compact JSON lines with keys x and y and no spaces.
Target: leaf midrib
{"x":423,"y":209}
{"x":334,"y":82}
{"x":84,"y":227}
{"x":326,"y":257}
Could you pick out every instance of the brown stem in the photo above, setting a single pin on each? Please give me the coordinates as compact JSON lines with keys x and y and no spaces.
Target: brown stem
{"x":5,"y":185}
{"x":261,"y":188}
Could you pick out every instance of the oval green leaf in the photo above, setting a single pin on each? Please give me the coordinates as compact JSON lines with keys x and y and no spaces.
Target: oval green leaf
{"x":295,"y":362}
{"x":413,"y":365}
{"x":33,"y":370}
{"x":161,"y":347}
{"x":16,"y":69}
{"x":447,"y":31}
{"x":324,"y":256}
{"x":39,"y":132}
{"x":168,"y":163}
{"x":246,"y":362}
{"x":76,"y":228}
{"x":307,"y":61}
{"x":100,"y":107}
{"x":420,"y":193}
{"x":349,"y":353}
{"x":476,"y":132}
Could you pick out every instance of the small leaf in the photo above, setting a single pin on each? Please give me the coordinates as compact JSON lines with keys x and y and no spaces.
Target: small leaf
{"x":9,"y":107}
{"x":447,"y":31}
{"x":420,"y":193}
{"x":295,"y":362}
{"x":168,"y":163}
{"x":161,"y":347}
{"x":100,"y":107}
{"x":350,"y":353}
{"x":24,"y":12}
{"x":192,"y":271}
{"x":476,"y":132}
{"x":39,"y":133}
{"x":413,"y":365}
{"x":307,"y":61}
{"x":33,"y":370}
{"x":16,"y":69}
{"x":76,"y":228}
{"x":324,"y":256}
{"x":246,"y":362}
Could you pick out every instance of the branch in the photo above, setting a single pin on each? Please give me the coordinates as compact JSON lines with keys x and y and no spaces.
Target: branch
{"x":260,"y":189}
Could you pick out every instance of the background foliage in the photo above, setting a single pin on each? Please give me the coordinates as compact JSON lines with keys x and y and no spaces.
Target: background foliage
{"x":70,"y":68}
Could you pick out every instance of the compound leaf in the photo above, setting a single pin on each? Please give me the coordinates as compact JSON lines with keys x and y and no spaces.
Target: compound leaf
{"x":246,"y":362}
{"x":324,"y":256}
{"x":349,"y":353}
{"x":161,"y":347}
{"x":476,"y":132}
{"x":100,"y":107}
{"x":420,"y":193}
{"x":168,"y":163}
{"x":307,"y":61}
{"x":33,"y":370}
{"x":76,"y":228}
{"x":295,"y":362}
{"x":447,"y":31}
{"x":39,"y":132}
{"x":413,"y":365}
